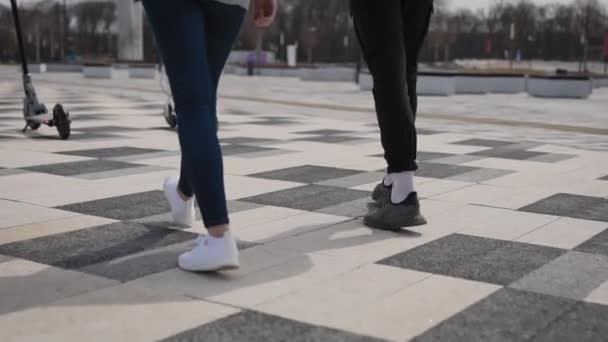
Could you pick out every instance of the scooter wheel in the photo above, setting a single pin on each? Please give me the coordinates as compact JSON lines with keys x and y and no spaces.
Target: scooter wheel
{"x":62,"y":121}
{"x":170,"y":116}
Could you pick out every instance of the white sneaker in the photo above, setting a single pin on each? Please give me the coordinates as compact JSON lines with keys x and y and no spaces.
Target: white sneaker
{"x":211,"y":254}
{"x":181,"y":211}
{"x":202,"y":237}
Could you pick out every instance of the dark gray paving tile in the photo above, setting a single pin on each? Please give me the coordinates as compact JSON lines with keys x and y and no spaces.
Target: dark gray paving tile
{"x":573,"y":275}
{"x":122,"y":172}
{"x":80,"y":108}
{"x":251,"y":326}
{"x":111,"y":152}
{"x":552,"y":157}
{"x":458,"y":159}
{"x":484,"y":142}
{"x":329,"y":139}
{"x":81,"y":167}
{"x":585,"y":322}
{"x":248,"y":141}
{"x":138,"y":265}
{"x":510,"y":263}
{"x":481,"y":175}
{"x":327,"y":132}
{"x":425,"y":131}
{"x":128,"y":207}
{"x":266,"y":153}
{"x":274,"y":121}
{"x":475,"y":258}
{"x":151,"y":106}
{"x":93,"y":117}
{"x":354,"y":209}
{"x":238,"y":111}
{"x":597,"y":244}
{"x":306,"y":174}
{"x":604,"y":178}
{"x":575,"y":206}
{"x":436,"y":170}
{"x":10,"y":172}
{"x":509,"y":154}
{"x":165,"y":220}
{"x":94,"y":245}
{"x":354,"y":180}
{"x":145,"y":263}
{"x":308,"y":197}
{"x":423,"y":156}
{"x":77,"y":136}
{"x":232,"y":150}
{"x":106,"y":129}
{"x":444,"y":255}
{"x":506,"y":315}
{"x":240,"y":206}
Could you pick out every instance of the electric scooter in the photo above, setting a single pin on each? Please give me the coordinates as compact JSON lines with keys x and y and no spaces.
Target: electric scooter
{"x":169,"y":109}
{"x":34,"y":112}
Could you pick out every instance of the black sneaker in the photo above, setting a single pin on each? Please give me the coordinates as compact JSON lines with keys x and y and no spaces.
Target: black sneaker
{"x":382,"y":193}
{"x":393,"y":217}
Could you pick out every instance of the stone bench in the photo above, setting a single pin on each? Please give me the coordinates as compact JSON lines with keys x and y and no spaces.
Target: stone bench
{"x":506,"y":83}
{"x":36,"y":68}
{"x":143,"y":71}
{"x":578,"y":87}
{"x":63,"y":67}
{"x":429,"y":83}
{"x":97,"y":71}
{"x":600,"y":82}
{"x":329,"y":75}
{"x":436,"y":84}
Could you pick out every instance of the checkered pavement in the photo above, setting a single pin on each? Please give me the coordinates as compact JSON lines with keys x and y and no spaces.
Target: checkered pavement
{"x":516,"y":247}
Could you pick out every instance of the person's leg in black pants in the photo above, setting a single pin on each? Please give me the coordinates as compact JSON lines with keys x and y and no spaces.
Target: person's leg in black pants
{"x":417,"y":15}
{"x":391,"y":33}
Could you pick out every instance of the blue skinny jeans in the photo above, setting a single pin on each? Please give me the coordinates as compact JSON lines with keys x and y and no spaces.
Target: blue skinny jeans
{"x":195,"y":38}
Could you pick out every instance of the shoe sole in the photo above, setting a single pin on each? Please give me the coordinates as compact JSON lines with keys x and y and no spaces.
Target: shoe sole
{"x":218,"y":269}
{"x":417,"y":220}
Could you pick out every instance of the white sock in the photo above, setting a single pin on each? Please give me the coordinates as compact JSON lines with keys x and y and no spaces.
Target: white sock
{"x":388,"y":180}
{"x":403,"y":186}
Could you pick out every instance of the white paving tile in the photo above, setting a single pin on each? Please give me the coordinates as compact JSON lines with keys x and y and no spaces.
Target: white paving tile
{"x":564,"y":233}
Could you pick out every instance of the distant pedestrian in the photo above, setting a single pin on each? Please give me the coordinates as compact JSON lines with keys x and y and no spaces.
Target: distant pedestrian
{"x":391,"y":34}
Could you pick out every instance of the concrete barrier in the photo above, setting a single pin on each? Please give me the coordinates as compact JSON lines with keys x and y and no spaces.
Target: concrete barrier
{"x":242,"y":56}
{"x":279,"y":72}
{"x":560,"y":86}
{"x":333,"y":74}
{"x":600,"y":82}
{"x":366,"y":82}
{"x":37,"y":68}
{"x":61,"y":67}
{"x":471,"y":84}
{"x":97,"y":71}
{"x":506,"y":84}
{"x":145,"y":71}
{"x":436,"y":84}
{"x":446,"y":83}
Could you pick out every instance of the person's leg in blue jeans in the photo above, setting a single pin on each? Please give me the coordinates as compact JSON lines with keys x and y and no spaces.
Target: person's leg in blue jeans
{"x":217,"y":54}
{"x":195,"y":38}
